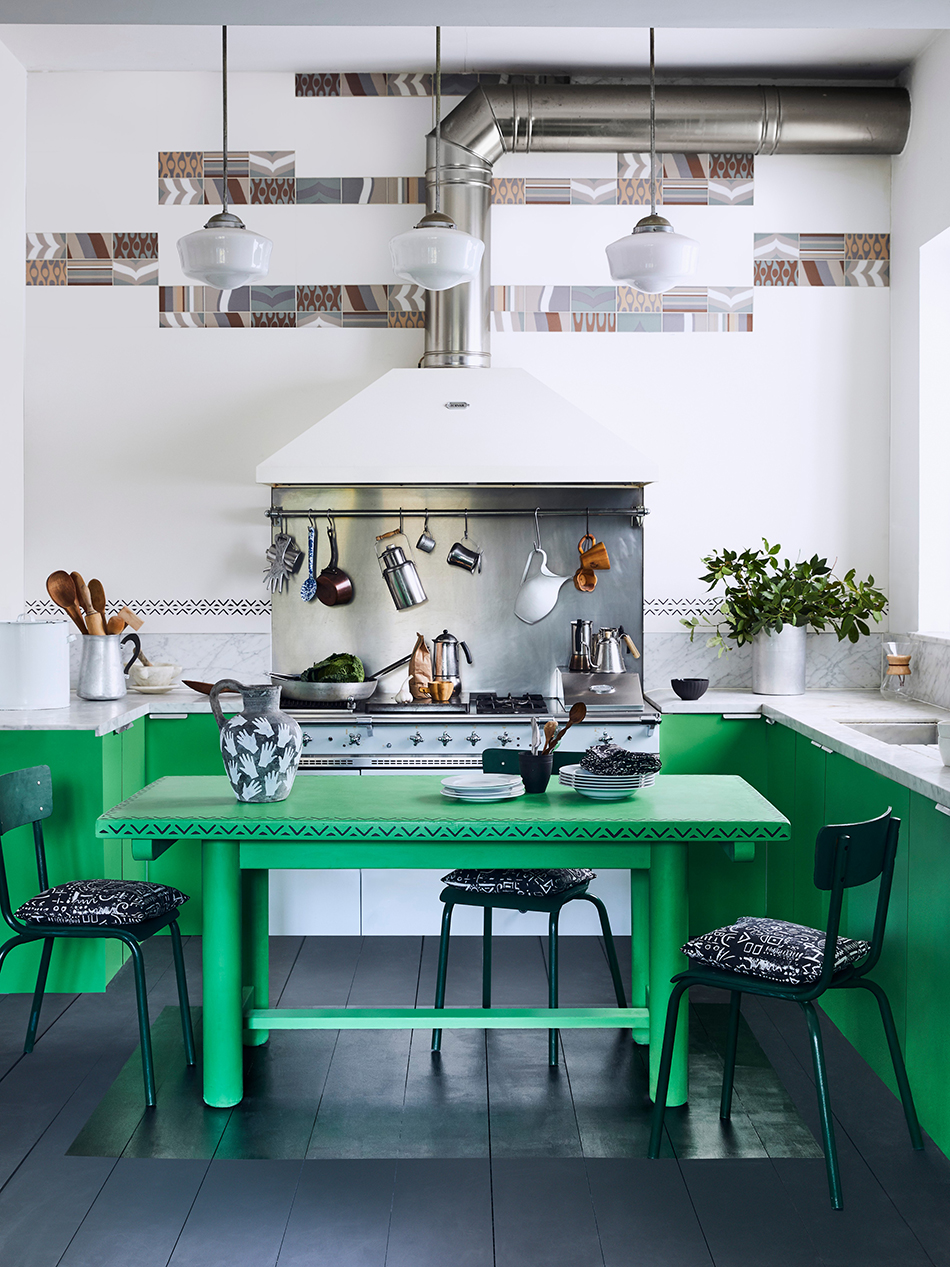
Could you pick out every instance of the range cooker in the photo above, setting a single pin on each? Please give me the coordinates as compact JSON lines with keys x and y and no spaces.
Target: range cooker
{"x":385,"y":737}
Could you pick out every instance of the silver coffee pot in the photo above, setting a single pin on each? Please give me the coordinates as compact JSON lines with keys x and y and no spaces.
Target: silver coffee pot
{"x":399,"y":571}
{"x":445,"y":658}
{"x":608,"y":648}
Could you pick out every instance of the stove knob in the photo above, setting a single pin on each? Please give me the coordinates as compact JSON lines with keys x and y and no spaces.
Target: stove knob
{"x":504,"y":739}
{"x":445,"y":738}
{"x":605,"y":738}
{"x":354,"y":738}
{"x":473,"y":739}
{"x":416,"y":739}
{"x":306,"y":739}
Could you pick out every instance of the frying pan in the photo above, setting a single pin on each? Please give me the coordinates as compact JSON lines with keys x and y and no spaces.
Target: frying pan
{"x":334,"y":587}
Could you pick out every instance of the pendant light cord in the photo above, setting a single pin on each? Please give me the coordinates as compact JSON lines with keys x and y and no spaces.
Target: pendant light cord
{"x":438,"y":119}
{"x":652,"y":128}
{"x":224,"y":113}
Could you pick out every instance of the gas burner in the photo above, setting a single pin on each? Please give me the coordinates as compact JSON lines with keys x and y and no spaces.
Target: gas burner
{"x":497,"y":705}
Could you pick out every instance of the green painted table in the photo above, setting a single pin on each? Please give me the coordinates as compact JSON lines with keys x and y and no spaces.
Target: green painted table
{"x":338,"y":822}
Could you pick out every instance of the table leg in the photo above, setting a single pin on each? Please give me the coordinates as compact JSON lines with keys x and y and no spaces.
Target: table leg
{"x":640,"y":935}
{"x":221,"y":967}
{"x":255,"y":919}
{"x":668,"y":931}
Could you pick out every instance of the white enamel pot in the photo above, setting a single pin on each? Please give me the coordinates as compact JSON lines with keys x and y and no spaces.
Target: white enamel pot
{"x":34,"y":663}
{"x":539,"y":591}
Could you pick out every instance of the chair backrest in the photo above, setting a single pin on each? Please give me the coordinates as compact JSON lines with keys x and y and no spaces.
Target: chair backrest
{"x":504,"y":761}
{"x":26,"y":796}
{"x":850,"y":854}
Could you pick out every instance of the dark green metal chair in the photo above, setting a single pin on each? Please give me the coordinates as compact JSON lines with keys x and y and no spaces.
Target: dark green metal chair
{"x":26,"y":797}
{"x":495,"y":761}
{"x":846,"y":856}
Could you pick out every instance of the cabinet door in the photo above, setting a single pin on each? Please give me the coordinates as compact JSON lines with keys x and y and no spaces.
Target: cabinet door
{"x":182,"y":745}
{"x":780,"y":753}
{"x":719,"y":890}
{"x":854,"y":793}
{"x":808,"y":906}
{"x":928,"y":966}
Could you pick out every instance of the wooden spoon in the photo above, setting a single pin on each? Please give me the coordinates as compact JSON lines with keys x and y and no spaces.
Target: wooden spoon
{"x":115,"y":625}
{"x":62,"y":590}
{"x":578,"y":713}
{"x":550,"y":730}
{"x":98,"y":595}
{"x":82,"y":594}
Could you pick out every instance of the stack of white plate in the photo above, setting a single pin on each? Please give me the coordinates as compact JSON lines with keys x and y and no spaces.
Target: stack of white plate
{"x":482,"y":787}
{"x":603,"y":787}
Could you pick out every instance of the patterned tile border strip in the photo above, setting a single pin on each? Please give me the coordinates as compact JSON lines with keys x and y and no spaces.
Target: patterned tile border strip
{"x":172,"y":606}
{"x":822,"y":259}
{"x":269,"y":178}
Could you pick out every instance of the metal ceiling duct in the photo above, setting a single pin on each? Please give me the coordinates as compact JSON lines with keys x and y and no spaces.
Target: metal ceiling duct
{"x":524,"y":119}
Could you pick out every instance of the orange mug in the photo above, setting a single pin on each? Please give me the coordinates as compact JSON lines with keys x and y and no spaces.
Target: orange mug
{"x":436,"y":690}
{"x":594,"y":554}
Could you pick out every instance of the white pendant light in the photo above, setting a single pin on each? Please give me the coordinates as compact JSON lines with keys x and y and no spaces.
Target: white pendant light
{"x":653,"y":258}
{"x":224,"y":254}
{"x":435,"y":254}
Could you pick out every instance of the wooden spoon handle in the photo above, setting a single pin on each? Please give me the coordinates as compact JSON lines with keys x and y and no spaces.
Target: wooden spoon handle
{"x":82,"y":593}
{"x":631,"y":646}
{"x":94,"y":622}
{"x":75,"y":616}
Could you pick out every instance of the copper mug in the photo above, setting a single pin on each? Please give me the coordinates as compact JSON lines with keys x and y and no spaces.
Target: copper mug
{"x":436,"y":690}
{"x":594,"y":554}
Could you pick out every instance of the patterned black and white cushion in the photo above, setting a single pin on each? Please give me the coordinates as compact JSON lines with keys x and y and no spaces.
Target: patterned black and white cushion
{"x":100,"y":903}
{"x":771,"y":949}
{"x":547,"y":883}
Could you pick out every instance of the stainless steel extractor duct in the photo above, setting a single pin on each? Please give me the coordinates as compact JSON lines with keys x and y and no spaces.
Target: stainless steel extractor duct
{"x":523,"y":119}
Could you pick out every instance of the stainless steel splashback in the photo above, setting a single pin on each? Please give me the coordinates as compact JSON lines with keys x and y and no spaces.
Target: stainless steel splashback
{"x":479,"y":608}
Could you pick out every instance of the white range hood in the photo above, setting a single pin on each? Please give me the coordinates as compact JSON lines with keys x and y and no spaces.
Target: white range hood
{"x":455,"y":427}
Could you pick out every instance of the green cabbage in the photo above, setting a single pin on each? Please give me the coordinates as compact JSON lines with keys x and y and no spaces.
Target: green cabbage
{"x":339,"y":667}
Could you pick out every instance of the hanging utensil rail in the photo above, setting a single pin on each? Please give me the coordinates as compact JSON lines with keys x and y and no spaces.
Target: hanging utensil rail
{"x":628,"y":512}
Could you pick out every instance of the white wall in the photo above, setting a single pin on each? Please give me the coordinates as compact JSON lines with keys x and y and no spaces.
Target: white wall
{"x":13,"y":81}
{"x":156,"y":433}
{"x":920,"y":213}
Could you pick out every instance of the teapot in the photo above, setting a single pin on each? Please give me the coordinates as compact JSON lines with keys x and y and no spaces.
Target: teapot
{"x":445,"y":659}
{"x":606,"y":654}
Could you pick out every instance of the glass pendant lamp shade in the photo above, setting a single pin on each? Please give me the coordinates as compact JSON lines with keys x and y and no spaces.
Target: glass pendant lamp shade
{"x":653,"y":258}
{"x":435,"y":254}
{"x":224,"y":254}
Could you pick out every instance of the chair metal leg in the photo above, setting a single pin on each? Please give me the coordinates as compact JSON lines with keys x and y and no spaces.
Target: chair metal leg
{"x":145,"y":1034}
{"x":609,"y":947}
{"x":663,"y":1075}
{"x":824,"y":1105}
{"x":897,"y":1059}
{"x":552,"y":984}
{"x":187,"y":1032}
{"x":486,"y":958}
{"x":729,"y":1068}
{"x":443,"y":966}
{"x":41,"y":976}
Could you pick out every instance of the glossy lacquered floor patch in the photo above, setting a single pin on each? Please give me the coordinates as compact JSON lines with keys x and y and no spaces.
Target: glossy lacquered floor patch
{"x":488,"y":1094}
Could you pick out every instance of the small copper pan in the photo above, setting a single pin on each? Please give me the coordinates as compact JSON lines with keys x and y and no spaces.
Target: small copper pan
{"x":334,"y":587}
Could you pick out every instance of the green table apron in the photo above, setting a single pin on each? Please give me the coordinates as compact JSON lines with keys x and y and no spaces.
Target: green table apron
{"x":399,"y":822}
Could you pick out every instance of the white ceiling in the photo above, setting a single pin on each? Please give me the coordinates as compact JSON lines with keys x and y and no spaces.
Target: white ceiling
{"x":826,"y":53}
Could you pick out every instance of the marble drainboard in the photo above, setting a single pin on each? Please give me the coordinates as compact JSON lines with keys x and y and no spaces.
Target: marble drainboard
{"x":904,"y":732}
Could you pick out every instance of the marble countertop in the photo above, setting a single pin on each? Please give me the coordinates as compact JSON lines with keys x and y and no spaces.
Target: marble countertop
{"x":822,"y":716}
{"x":104,"y":716}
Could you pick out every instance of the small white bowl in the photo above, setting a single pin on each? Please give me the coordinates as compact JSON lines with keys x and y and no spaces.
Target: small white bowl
{"x":153,"y":674}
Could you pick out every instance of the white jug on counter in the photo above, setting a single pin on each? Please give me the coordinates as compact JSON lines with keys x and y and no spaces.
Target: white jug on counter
{"x":34,"y":663}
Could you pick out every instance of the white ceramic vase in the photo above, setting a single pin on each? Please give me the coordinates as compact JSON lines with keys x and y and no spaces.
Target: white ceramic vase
{"x":778,"y":661}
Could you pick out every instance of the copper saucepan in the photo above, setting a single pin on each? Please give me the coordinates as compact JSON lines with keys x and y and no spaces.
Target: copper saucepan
{"x":334,"y":587}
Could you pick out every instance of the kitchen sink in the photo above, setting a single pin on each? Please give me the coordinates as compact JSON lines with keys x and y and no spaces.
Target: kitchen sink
{"x":897,"y":732}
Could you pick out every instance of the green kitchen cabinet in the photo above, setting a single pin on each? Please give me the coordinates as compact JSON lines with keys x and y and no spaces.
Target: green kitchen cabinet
{"x":854,"y":793}
{"x":781,"y":756}
{"x":181,"y":745}
{"x":703,"y":743}
{"x":807,"y":904}
{"x":927,"y":1041}
{"x":89,"y":774}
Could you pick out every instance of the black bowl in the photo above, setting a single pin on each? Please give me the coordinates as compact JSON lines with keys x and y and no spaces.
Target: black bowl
{"x":690,"y":687}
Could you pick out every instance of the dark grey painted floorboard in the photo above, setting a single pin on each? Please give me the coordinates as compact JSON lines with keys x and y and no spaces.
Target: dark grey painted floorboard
{"x":644,"y":1214}
{"x":282,"y":1091}
{"x":446,"y":1100}
{"x":463,"y":979}
{"x":322,"y":974}
{"x":543,"y":1214}
{"x":14,"y":1014}
{"x":239,"y":1215}
{"x":583,"y":972}
{"x":530,"y":1109}
{"x":137,"y":1216}
{"x":340,"y":1215}
{"x":442,"y":1213}
{"x":368,"y":1123}
{"x":609,"y":1089}
{"x":519,"y":973}
{"x":747,"y":1215}
{"x":387,"y":974}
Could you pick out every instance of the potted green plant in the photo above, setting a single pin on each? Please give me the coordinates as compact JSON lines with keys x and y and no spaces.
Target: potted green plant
{"x":770,"y":602}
